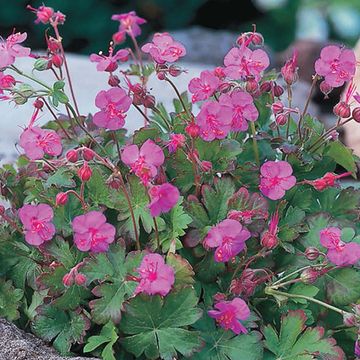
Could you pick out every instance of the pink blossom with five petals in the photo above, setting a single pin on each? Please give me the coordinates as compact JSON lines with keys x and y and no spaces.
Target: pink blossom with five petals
{"x":163,"y":198}
{"x":37,"y":221}
{"x":129,"y":23}
{"x":92,"y":232}
{"x":10,"y":49}
{"x":114,"y":104}
{"x":228,"y":237}
{"x":228,"y":315}
{"x":276,"y":177}
{"x":204,"y":86}
{"x":109,"y":63}
{"x":156,"y":277}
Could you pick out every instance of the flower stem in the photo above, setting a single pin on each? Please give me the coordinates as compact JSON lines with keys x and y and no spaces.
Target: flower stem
{"x":255,"y":144}
{"x":14,"y":68}
{"x":271,"y":291}
{"x":180,"y":98}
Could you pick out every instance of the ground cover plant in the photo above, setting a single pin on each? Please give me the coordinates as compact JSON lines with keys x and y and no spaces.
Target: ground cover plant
{"x":219,"y":230}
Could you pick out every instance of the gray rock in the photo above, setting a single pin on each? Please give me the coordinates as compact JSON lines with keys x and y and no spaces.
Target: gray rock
{"x":16,"y":344}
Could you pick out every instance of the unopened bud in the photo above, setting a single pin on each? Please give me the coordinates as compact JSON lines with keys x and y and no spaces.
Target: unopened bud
{"x":119,"y":37}
{"x":80,"y":279}
{"x":85,"y":172}
{"x":161,"y":75}
{"x":309,"y":276}
{"x":356,"y":114}
{"x":265,"y":86}
{"x":61,"y":199}
{"x":312,"y":253}
{"x":325,"y":88}
{"x":72,"y":156}
{"x":349,"y":319}
{"x":174,"y":70}
{"x":113,"y":80}
{"x":38,"y":104}
{"x":41,"y":64}
{"x":57,"y":60}
{"x":251,"y":86}
{"x":149,"y":101}
{"x":192,"y":130}
{"x":277,"y":107}
{"x":88,"y":154}
{"x":342,"y":109}
{"x":206,"y":166}
{"x":278,"y":90}
{"x":281,"y":119}
{"x":68,"y":279}
{"x":257,"y":39}
{"x":269,"y":240}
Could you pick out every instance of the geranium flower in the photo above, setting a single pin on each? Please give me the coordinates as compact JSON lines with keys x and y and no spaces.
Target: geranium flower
{"x":144,"y":162}
{"x":109,"y":63}
{"x":129,"y":23}
{"x":214,"y":120}
{"x":229,"y":314}
{"x":337,"y":65}
{"x":10,"y":49}
{"x":176,"y":141}
{"x":163,"y":198}
{"x":242,"y":108}
{"x":114,"y":104}
{"x":155,"y":276}
{"x":204,"y":86}
{"x":242,"y":63}
{"x":37,"y":221}
{"x":164,"y":48}
{"x":228,"y":237}
{"x":37,"y":142}
{"x":276,"y":177}
{"x":339,"y":252}
{"x":92,"y":232}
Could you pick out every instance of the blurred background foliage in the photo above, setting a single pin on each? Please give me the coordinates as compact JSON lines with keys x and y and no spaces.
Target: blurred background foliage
{"x":88,"y":26}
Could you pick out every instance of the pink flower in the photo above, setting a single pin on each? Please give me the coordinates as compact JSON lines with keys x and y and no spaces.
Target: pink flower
{"x":37,"y":223}
{"x":10,"y":49}
{"x":242,"y":63}
{"x":204,"y":86}
{"x":163,"y":198}
{"x":214,"y":120}
{"x":290,"y":70}
{"x":269,"y":238}
{"x":164,"y":48}
{"x":43,"y":13}
{"x":92,"y":232}
{"x":109,"y":63}
{"x":339,"y":253}
{"x":143,"y":163}
{"x":37,"y":142}
{"x":328,"y":180}
{"x":276,"y":177}
{"x":242,"y":108}
{"x":229,"y":314}
{"x":176,"y":141}
{"x":155,"y":276}
{"x":129,"y":23}
{"x":337,"y":65}
{"x":6,"y":82}
{"x":228,"y":237}
{"x":114,"y":103}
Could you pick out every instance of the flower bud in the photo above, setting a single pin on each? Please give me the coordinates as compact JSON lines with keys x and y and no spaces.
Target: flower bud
{"x":289,"y":72}
{"x":269,"y":240}
{"x":342,"y":109}
{"x":219,"y":72}
{"x":257,"y":39}
{"x":309,"y":276}
{"x":225,"y":87}
{"x":192,"y":130}
{"x":265,"y":86}
{"x":2,"y":209}
{"x":278,"y":90}
{"x":161,"y":75}
{"x":85,"y":172}
{"x":356,"y":114}
{"x":277,"y":107}
{"x":88,"y":154}
{"x":7,"y":82}
{"x":312,"y":253}
{"x":113,"y":80}
{"x":68,"y":279}
{"x":61,"y":198}
{"x":206,"y":166}
{"x":251,"y":85}
{"x":325,"y":88}
{"x":41,"y":64}
{"x":174,"y":70}
{"x":38,"y":104}
{"x":281,"y":119}
{"x":53,"y":44}
{"x":349,"y":319}
{"x":219,"y":297}
{"x":149,"y":101}
{"x":72,"y":156}
{"x":114,"y":183}
{"x":26,"y":90}
{"x":119,"y":37}
{"x":80,"y":279}
{"x":57,"y":60}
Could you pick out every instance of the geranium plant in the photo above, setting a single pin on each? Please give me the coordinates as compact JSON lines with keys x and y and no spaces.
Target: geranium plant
{"x":219,"y":230}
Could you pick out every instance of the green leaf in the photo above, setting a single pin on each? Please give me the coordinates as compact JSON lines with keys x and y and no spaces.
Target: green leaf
{"x":184,"y":274}
{"x":216,"y":200}
{"x":342,"y":155}
{"x":342,"y":286}
{"x":298,"y":342}
{"x":10,"y":300}
{"x":66,"y":328}
{"x":59,"y":85}
{"x":303,"y":289}
{"x":225,"y":345}
{"x":155,"y":325}
{"x":110,"y":269}
{"x":108,"y":336}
